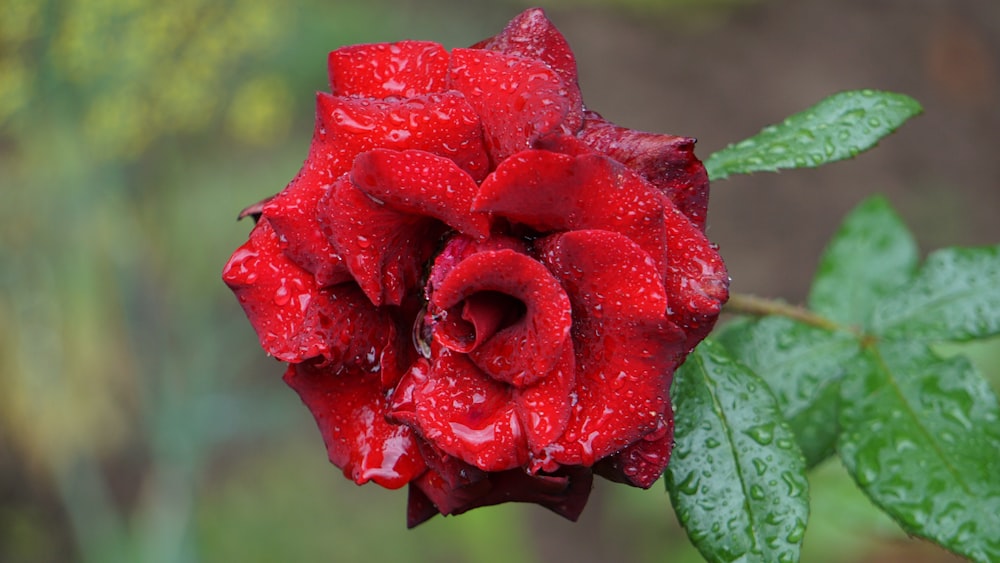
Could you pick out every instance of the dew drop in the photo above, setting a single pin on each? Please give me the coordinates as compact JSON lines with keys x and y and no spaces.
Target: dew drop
{"x":797,"y":531}
{"x":351,"y":124}
{"x":762,"y":433}
{"x":867,"y":472}
{"x":760,"y":465}
{"x":281,"y":295}
{"x":795,"y":488}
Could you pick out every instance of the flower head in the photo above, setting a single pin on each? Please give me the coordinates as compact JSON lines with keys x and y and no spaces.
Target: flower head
{"x":481,"y":288}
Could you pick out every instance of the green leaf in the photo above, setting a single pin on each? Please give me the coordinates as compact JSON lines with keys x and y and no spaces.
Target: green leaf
{"x":802,"y":365}
{"x":817,"y":427}
{"x":954,"y":297}
{"x":871,"y":256}
{"x":736,"y":478}
{"x":838,"y":127}
{"x":920,"y":435}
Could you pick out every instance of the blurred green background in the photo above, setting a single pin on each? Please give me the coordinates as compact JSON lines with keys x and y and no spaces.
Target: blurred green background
{"x":140,"y":421}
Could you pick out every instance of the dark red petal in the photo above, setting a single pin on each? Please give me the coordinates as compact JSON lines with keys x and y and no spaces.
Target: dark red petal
{"x":544,"y":408}
{"x":421,"y":183}
{"x":460,"y":247}
{"x":384,"y":249}
{"x":526,"y":351}
{"x":518,"y":99}
{"x":296,"y":319}
{"x":641,"y":463}
{"x":564,"y":493}
{"x":462,"y":412}
{"x":570,"y":145}
{"x":453,"y":470}
{"x":432,"y":494}
{"x":443,"y":124}
{"x":531,"y":35}
{"x":666,"y":161}
{"x":350,"y":408}
{"x":381,"y":70}
{"x":419,"y":507}
{"x":696,"y":278}
{"x":626,"y":350}
{"x":292,"y":214}
{"x":482,"y":314}
{"x":549,"y":191}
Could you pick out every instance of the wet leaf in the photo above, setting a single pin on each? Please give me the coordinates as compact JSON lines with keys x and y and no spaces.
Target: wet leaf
{"x":954,"y":297}
{"x":870,"y":257}
{"x":920,"y":435}
{"x":841,"y":126}
{"x":803,"y":366}
{"x":736,"y":478}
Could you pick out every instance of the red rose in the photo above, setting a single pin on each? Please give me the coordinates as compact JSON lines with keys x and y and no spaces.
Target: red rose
{"x":482,"y":290}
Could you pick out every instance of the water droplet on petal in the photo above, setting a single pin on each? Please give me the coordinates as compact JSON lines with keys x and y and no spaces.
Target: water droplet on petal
{"x":282,"y":295}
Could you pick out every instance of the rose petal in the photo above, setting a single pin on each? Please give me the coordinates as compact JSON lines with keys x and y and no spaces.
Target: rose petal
{"x":421,"y":183}
{"x":482,"y":314}
{"x":296,"y":319}
{"x":666,"y":161}
{"x":432,"y":494}
{"x":292,"y":211}
{"x":518,"y":99}
{"x":350,"y":408}
{"x":419,"y":507}
{"x":381,"y":70}
{"x":564,"y":493}
{"x":549,"y":191}
{"x":292,"y":214}
{"x":384,"y":249}
{"x":526,"y":351}
{"x":462,"y":411}
{"x":544,"y":409}
{"x":626,"y":350}
{"x":641,"y":463}
{"x":531,"y":35}
{"x":696,"y":278}
{"x":460,"y":247}
{"x":443,"y":124}
{"x":455,"y":472}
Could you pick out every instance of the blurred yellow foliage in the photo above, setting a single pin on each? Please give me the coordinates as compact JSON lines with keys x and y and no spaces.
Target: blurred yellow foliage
{"x":82,"y":83}
{"x":140,"y":70}
{"x":14,"y":88}
{"x":260,"y":110}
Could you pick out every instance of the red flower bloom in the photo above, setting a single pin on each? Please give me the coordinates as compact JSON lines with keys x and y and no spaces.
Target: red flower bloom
{"x":482,"y":290}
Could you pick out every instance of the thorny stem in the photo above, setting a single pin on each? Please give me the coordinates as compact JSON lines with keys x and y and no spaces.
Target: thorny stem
{"x":740,"y":304}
